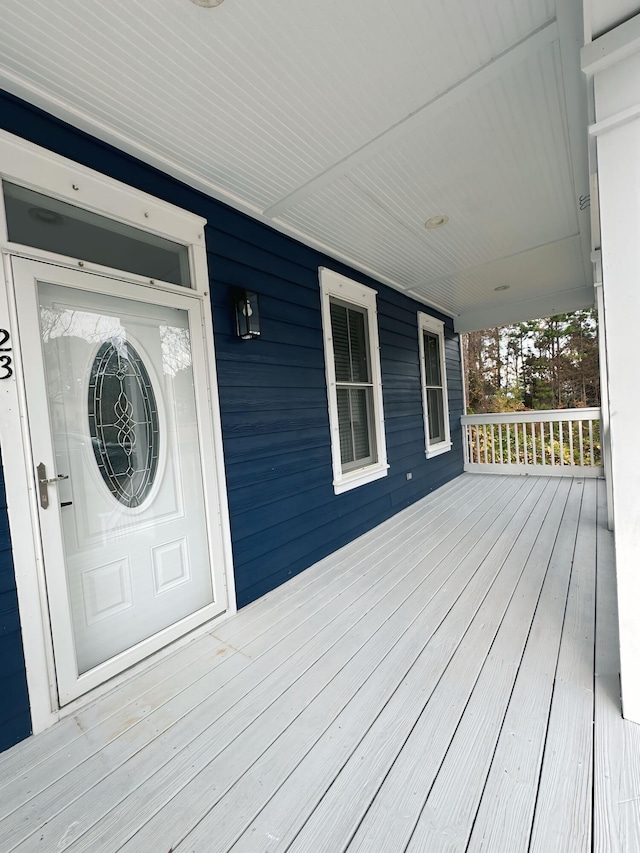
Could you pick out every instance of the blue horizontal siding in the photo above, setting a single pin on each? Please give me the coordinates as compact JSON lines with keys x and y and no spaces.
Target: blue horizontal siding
{"x":15,"y":719}
{"x":284,"y":513}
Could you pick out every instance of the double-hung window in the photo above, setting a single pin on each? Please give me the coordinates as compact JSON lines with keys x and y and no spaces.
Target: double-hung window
{"x":354,"y":385}
{"x":434,"y":385}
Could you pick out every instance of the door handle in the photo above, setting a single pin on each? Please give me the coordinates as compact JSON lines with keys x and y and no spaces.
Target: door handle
{"x":44,"y":483}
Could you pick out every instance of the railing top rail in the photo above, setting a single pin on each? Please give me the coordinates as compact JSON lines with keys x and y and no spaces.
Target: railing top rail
{"x":534,"y":416}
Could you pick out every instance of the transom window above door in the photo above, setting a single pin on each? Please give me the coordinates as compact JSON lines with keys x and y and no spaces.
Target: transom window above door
{"x":354,"y":386}
{"x":37,"y":220}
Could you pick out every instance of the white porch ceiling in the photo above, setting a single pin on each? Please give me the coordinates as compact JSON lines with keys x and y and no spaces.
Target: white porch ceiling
{"x":347,"y":125}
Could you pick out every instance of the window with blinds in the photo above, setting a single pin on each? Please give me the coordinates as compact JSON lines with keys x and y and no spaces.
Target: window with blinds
{"x":434,"y":385}
{"x":353,"y":381}
{"x":354,"y":388}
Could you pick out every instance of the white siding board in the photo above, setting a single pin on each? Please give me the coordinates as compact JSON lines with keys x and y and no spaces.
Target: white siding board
{"x":186,"y":734}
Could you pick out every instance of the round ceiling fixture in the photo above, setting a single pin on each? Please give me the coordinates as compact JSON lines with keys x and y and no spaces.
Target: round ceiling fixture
{"x":207,"y":4}
{"x":502,"y":287}
{"x":49,"y":217}
{"x":437,"y":221}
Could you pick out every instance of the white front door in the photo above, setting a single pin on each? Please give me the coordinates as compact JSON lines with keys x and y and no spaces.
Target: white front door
{"x":115,"y":377}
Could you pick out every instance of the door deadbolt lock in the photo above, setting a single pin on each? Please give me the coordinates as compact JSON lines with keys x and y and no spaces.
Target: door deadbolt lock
{"x":44,"y":483}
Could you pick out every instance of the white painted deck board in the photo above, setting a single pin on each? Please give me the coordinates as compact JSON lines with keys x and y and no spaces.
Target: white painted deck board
{"x":564,"y":809}
{"x":199,"y":679}
{"x":427,"y":687}
{"x":183,"y":743}
{"x":508,"y":803}
{"x":400,"y":771}
{"x":333,"y":651}
{"x":446,"y":819}
{"x":308,"y":591}
{"x":402,"y":663}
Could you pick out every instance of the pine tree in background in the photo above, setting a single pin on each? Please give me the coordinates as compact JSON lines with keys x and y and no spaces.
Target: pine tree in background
{"x":542,"y":364}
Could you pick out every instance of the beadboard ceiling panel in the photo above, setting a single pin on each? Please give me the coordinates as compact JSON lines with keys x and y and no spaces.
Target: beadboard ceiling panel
{"x":495,"y":169}
{"x":345,"y":124}
{"x":555,"y":280}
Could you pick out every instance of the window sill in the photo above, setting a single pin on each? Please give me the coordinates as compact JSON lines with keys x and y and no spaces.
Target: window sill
{"x":359,"y":478}
{"x":437,"y":449}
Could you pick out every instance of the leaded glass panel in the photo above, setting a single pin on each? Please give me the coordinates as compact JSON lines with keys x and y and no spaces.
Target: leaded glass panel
{"x":123,"y":422}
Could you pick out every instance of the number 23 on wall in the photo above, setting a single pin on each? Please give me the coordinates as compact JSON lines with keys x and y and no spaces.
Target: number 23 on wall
{"x":6,"y":370}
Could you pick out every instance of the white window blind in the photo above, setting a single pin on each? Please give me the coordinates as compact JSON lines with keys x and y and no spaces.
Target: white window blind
{"x":354,"y":388}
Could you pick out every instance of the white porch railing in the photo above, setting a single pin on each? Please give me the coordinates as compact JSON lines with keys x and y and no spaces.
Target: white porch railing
{"x":559,"y":442}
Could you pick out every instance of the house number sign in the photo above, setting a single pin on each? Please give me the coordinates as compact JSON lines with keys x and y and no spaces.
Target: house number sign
{"x":6,"y":371}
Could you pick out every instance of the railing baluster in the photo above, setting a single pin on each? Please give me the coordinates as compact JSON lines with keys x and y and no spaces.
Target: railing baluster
{"x":493,"y":446}
{"x":484,"y":439}
{"x":561,"y":443}
{"x":553,"y":439}
{"x":581,"y":443}
{"x":500,"y":443}
{"x":544,"y":455}
{"x":534,"y":450}
{"x":591,"y":453}
{"x":478,"y":444}
{"x":570,"y":430}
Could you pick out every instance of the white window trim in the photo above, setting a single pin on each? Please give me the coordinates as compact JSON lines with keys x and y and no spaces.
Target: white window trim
{"x":436,"y":327}
{"x":332,"y":284}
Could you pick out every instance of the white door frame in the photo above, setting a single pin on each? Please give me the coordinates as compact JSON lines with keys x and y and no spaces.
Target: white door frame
{"x":31,"y":166}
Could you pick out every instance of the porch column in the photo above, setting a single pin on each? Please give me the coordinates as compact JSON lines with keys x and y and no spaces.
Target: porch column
{"x":613,"y":61}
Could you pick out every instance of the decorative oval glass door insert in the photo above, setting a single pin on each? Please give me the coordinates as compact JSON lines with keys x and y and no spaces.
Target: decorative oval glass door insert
{"x":123,"y":422}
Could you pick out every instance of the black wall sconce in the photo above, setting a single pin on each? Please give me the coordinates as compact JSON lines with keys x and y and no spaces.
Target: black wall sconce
{"x":247,"y":314}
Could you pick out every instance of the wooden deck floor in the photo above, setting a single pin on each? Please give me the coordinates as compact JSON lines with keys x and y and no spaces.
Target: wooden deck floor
{"x":429,"y":687}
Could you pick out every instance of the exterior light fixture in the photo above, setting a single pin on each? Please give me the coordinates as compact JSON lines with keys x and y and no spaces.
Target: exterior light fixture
{"x":502,"y":287}
{"x":247,"y":314}
{"x":207,"y":4}
{"x":436,"y":221}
